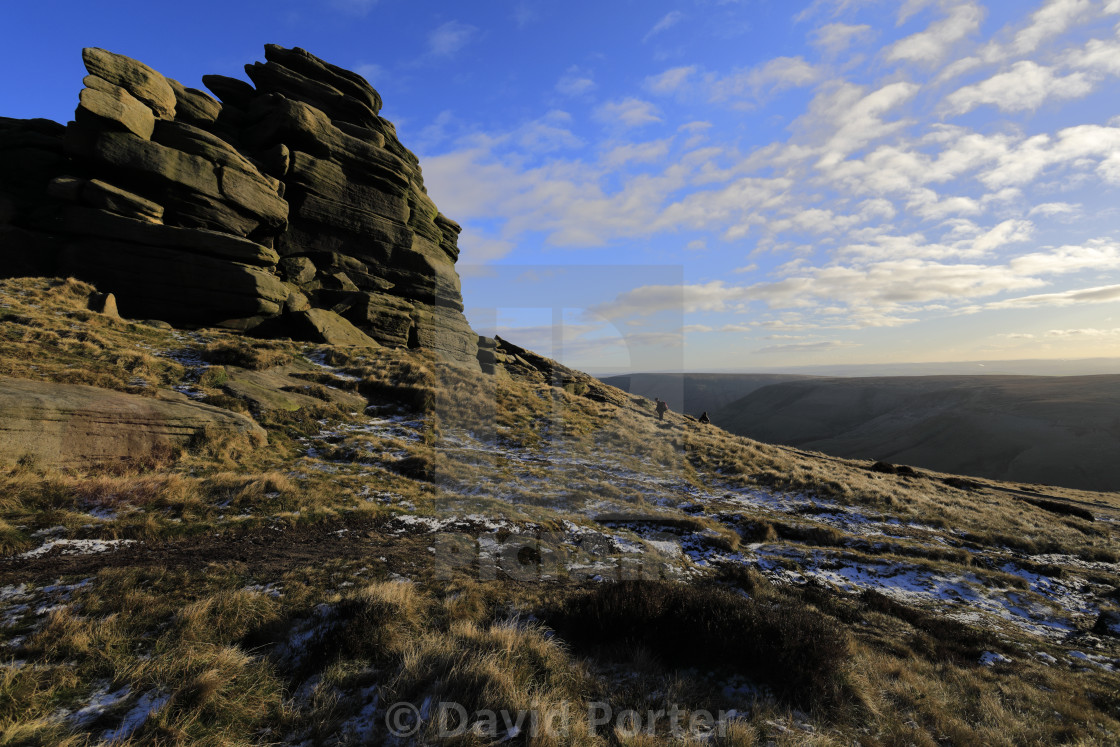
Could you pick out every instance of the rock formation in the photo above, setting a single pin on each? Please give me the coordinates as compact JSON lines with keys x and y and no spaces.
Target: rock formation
{"x":275,"y":209}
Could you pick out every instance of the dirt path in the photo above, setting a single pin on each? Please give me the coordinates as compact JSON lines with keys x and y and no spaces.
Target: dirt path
{"x":266,"y":549}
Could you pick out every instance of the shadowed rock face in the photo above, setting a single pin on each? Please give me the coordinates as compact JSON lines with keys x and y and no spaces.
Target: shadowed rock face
{"x":274,"y":208}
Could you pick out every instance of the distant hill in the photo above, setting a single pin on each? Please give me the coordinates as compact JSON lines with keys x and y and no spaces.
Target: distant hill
{"x":694,"y":393}
{"x":1043,"y":429}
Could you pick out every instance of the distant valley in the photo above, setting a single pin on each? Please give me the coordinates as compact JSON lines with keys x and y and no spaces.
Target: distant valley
{"x":1059,"y":430}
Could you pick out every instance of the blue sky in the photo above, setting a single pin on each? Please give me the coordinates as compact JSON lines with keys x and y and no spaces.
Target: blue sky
{"x":714,"y":184}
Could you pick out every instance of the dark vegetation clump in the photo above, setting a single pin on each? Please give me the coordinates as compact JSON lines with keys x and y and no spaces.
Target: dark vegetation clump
{"x":416,"y":467}
{"x":1062,"y":509}
{"x":962,"y":483}
{"x":798,"y":651}
{"x":939,"y":638}
{"x":893,"y":469}
{"x":318,"y":391}
{"x":409,"y":396}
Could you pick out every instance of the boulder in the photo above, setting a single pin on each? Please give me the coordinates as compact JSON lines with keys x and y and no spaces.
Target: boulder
{"x":69,"y":425}
{"x":135,"y":77}
{"x":117,"y":107}
{"x":307,"y":64}
{"x":161,"y":169}
{"x":298,"y":270}
{"x":320,"y":325}
{"x":98,"y":194}
{"x":230,"y":91}
{"x":199,"y":142}
{"x":193,"y":106}
{"x":282,"y":388}
{"x":321,"y":95}
{"x":104,"y":303}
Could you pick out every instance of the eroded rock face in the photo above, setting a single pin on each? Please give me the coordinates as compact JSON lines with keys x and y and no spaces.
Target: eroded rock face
{"x":249,"y":210}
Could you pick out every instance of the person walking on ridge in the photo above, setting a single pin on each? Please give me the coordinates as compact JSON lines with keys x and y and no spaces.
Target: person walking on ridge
{"x":662,"y":408}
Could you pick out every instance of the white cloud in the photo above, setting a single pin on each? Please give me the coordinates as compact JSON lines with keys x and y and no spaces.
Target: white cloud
{"x":548,"y":133}
{"x":1086,"y":332}
{"x":670,"y":81}
{"x":747,"y":86}
{"x":668,"y":21}
{"x":1008,"y":232}
{"x":1050,"y":209}
{"x":647,"y":300}
{"x":476,"y":248}
{"x":853,"y":118}
{"x":911,"y":8}
{"x":1097,"y":56}
{"x":1021,"y":163}
{"x":449,"y":38}
{"x":1099,"y":294}
{"x":1052,"y":19}
{"x":575,"y":82}
{"x":931,"y":46}
{"x":649,"y":152}
{"x":629,"y":112}
{"x":834,"y":38}
{"x":833,"y":7}
{"x":1025,"y":87}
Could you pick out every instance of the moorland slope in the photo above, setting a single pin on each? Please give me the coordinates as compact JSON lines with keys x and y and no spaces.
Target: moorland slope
{"x":1057,"y":430}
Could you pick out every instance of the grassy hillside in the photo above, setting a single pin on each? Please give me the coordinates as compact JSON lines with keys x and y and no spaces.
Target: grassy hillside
{"x":695,"y":393}
{"x":508,"y":545}
{"x":1051,"y":430}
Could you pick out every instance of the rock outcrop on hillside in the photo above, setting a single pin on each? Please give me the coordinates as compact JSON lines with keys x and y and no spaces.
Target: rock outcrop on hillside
{"x":284,"y":208}
{"x":72,"y":425}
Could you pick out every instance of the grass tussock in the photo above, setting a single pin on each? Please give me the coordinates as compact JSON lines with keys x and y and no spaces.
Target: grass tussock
{"x":255,"y":355}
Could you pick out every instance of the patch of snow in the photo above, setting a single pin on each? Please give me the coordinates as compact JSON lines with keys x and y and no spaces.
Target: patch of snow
{"x":990,"y":659}
{"x":101,"y":700}
{"x":272,"y":589}
{"x":148,"y":704}
{"x":76,"y":547}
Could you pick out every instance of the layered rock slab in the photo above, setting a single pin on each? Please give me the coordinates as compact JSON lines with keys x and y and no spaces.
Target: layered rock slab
{"x":270,"y":208}
{"x":72,"y":425}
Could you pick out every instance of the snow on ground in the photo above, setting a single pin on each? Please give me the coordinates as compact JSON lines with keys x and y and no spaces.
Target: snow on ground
{"x":584,"y":485}
{"x":76,"y":547}
{"x":100,"y":702}
{"x":26,"y":606}
{"x":148,"y":704}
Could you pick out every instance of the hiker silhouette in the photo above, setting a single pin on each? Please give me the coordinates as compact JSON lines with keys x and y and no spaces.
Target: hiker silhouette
{"x":661,"y":408}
